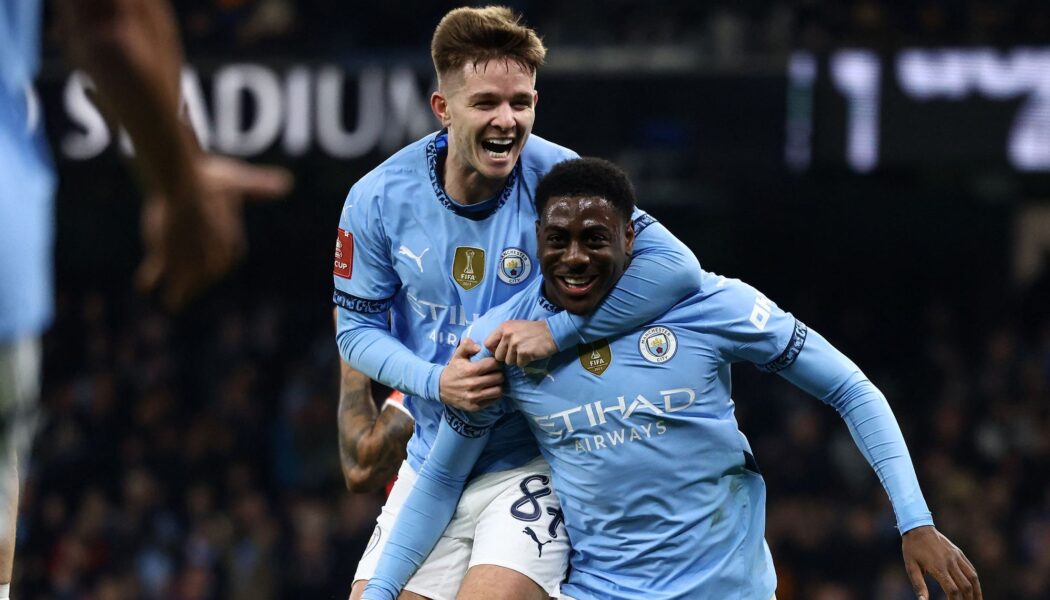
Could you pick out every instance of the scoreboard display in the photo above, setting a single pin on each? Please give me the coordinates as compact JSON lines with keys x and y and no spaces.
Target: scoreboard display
{"x":919,"y":106}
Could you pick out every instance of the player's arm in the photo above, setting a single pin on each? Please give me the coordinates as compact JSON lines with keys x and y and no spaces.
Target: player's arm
{"x":192,"y":227}
{"x":365,"y":285}
{"x":753,"y":328}
{"x":371,"y":441}
{"x":662,"y":271}
{"x":429,"y":506}
{"x":824,"y":372}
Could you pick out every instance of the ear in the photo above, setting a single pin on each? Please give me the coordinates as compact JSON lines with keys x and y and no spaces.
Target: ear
{"x":439,"y":104}
{"x":628,"y":237}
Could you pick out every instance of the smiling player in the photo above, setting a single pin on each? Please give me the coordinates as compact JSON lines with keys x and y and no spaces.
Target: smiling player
{"x":438,"y":234}
{"x":662,"y":497}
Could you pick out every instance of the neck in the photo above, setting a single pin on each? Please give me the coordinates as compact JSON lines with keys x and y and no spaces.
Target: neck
{"x":465,"y":185}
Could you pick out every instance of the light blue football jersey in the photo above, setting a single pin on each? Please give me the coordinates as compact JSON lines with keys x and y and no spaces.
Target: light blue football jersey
{"x":661,"y":495}
{"x":26,"y":178}
{"x":406,"y":247}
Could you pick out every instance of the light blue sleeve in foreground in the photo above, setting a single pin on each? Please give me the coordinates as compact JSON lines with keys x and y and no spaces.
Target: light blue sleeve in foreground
{"x":365,"y":342}
{"x":826,"y":373}
{"x":428,"y":509}
{"x":663,"y":270}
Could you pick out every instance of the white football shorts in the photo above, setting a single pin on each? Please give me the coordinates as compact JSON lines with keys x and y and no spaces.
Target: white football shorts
{"x":510,"y":518}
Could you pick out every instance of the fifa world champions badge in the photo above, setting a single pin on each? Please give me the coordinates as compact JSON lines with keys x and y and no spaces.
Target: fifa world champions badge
{"x":344,"y":254}
{"x":595,"y":357}
{"x":468,"y":267}
{"x":658,"y":344}
{"x":515,"y":266}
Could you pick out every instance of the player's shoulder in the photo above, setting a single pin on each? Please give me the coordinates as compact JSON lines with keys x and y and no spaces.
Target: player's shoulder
{"x":726,"y":302}
{"x":540,"y":155}
{"x":407,"y":166}
{"x":722,"y":292}
{"x":719,"y":299}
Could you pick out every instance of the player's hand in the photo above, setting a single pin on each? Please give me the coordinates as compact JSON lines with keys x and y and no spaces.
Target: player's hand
{"x":926,"y":551}
{"x":467,"y":385}
{"x":197,"y":235}
{"x":521,"y":342}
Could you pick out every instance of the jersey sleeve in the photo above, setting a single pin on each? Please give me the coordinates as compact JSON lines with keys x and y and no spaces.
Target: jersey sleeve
{"x":750,"y":326}
{"x":365,"y":285}
{"x":663,"y":270}
{"x":824,"y":372}
{"x":428,"y":509}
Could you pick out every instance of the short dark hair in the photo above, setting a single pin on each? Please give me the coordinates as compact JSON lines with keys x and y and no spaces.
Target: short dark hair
{"x":589,"y":176}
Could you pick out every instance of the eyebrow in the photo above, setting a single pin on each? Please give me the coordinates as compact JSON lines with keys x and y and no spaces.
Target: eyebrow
{"x":520,"y":97}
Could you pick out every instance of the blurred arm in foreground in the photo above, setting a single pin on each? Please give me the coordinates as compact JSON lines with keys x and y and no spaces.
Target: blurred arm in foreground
{"x":192,"y":225}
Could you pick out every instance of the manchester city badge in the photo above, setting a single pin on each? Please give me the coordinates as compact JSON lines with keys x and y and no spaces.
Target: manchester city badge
{"x":514,"y":266}
{"x":658,"y":344}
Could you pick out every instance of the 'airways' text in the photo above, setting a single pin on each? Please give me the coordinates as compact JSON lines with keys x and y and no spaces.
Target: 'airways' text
{"x":624,"y":435}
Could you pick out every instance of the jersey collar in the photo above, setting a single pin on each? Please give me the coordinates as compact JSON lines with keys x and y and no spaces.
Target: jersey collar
{"x":438,"y":146}
{"x":544,"y":303}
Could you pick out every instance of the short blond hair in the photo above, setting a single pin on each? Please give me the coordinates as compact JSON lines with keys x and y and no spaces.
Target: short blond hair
{"x":477,"y":35}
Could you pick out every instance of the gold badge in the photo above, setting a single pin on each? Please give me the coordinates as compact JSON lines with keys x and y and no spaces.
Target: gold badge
{"x":468,"y":267}
{"x":595,"y":357}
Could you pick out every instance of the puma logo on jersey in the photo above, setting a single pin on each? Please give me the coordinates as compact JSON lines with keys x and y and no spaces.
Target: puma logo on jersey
{"x":404,"y":250}
{"x":541,"y":370}
{"x":532,"y":534}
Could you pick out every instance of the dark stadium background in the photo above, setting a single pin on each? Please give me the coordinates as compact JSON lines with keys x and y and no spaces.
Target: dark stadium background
{"x":195,"y":457}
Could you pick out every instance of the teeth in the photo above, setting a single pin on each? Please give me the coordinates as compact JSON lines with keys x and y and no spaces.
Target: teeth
{"x":498,"y":148}
{"x":577,"y":280}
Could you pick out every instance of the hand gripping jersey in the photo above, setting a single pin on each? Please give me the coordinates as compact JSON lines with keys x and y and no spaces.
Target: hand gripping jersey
{"x":26,"y":178}
{"x":660,"y":492}
{"x":405,"y":246}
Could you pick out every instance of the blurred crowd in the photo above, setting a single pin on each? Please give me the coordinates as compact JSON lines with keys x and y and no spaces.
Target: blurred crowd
{"x":722,"y":28}
{"x":187,"y":461}
{"x":196,"y":458}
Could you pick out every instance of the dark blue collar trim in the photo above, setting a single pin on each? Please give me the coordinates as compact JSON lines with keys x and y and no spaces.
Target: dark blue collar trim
{"x":546,"y":304}
{"x":476,"y":212}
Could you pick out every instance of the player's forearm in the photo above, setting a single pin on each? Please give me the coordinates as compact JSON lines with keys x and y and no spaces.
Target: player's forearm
{"x":130,"y":48}
{"x":371,"y":457}
{"x":368,"y":347}
{"x":826,"y":373}
{"x":662,"y":271}
{"x":426,"y":512}
{"x":371,"y":442}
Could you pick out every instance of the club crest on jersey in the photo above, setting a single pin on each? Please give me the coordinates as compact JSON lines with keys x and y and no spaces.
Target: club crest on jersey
{"x":514,"y":266}
{"x":658,"y":344}
{"x":468,"y":267}
{"x":595,"y":357}
{"x":344,"y":254}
